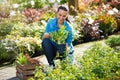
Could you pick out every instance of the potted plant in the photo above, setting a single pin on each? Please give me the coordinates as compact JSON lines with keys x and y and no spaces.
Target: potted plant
{"x":59,"y":38}
{"x":25,"y":66}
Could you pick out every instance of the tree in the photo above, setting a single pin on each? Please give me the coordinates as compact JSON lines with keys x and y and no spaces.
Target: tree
{"x":73,"y":6}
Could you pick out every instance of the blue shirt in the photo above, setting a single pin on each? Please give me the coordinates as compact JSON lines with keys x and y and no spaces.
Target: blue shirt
{"x":52,"y":25}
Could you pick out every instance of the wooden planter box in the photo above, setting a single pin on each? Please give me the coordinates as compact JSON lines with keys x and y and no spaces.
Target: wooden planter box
{"x":23,"y":72}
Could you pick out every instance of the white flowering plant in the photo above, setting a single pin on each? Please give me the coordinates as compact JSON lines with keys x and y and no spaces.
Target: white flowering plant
{"x":33,"y":4}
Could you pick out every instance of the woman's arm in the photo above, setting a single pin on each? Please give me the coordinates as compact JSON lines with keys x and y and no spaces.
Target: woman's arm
{"x":47,"y":30}
{"x":70,"y":37}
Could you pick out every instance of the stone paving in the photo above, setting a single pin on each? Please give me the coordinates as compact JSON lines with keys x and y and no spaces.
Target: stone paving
{"x":9,"y":72}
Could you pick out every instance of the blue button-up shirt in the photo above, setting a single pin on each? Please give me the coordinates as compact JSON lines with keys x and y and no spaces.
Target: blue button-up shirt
{"x":52,"y":25}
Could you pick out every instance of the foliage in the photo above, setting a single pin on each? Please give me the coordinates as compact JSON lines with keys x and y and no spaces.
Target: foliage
{"x":63,"y":1}
{"x":60,"y":73}
{"x":22,"y":59}
{"x":97,"y":2}
{"x":47,"y":15}
{"x":5,"y":28}
{"x":38,"y":73}
{"x":108,"y":23}
{"x":83,"y":6}
{"x":27,"y":36}
{"x":4,"y":10}
{"x":27,"y":30}
{"x":28,"y":44}
{"x":20,"y":36}
{"x":17,"y":1}
{"x":8,"y":50}
{"x":113,"y":41}
{"x":77,"y":30}
{"x":59,"y":36}
{"x":32,"y":15}
{"x":99,"y":62}
{"x":115,"y":4}
{"x":117,"y":16}
{"x":36,"y":4}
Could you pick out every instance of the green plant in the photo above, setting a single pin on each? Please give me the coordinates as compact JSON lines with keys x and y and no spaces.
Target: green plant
{"x":17,"y":37}
{"x":5,"y":28}
{"x":108,"y":24}
{"x":28,"y":44}
{"x":38,"y":73}
{"x":63,"y":71}
{"x":4,"y":9}
{"x":27,"y":36}
{"x":63,"y":1}
{"x":47,"y":15}
{"x":37,"y":4}
{"x":59,"y":36}
{"x":113,"y":41}
{"x":22,"y":59}
{"x":27,"y":30}
{"x":8,"y":50}
{"x":99,"y":62}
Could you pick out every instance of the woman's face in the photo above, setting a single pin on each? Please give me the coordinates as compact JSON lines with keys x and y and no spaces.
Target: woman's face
{"x":61,"y":15}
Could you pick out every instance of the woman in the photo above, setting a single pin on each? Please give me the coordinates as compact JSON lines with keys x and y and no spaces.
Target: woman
{"x":55,"y":24}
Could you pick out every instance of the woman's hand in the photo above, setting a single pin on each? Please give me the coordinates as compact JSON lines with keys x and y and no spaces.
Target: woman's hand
{"x":66,"y":46}
{"x":46,"y":35}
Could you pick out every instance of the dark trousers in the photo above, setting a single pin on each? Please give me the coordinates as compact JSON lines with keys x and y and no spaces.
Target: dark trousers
{"x":50,"y":50}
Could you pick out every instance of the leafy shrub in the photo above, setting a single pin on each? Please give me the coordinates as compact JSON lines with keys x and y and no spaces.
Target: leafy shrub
{"x":64,"y":71}
{"x":37,"y":4}
{"x":77,"y":33}
{"x":4,"y":9}
{"x":8,"y":50}
{"x":25,"y":30}
{"x":115,"y":4}
{"x":28,"y":44}
{"x":117,"y":16}
{"x":63,"y":1}
{"x":38,"y":73}
{"x":28,"y":36}
{"x":47,"y":16}
{"x":5,"y":28}
{"x":32,"y":15}
{"x":113,"y":41}
{"x":20,"y":36}
{"x":99,"y":62}
{"x":108,"y":24}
